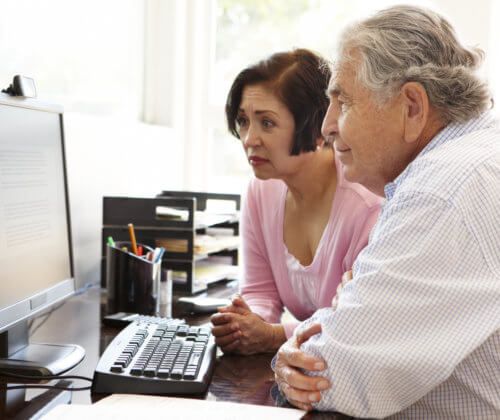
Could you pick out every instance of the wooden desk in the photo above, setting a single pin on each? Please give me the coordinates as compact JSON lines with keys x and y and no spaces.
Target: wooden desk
{"x":241,"y":379}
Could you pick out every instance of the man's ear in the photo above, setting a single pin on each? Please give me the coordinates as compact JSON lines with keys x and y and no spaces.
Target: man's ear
{"x":416,"y":110}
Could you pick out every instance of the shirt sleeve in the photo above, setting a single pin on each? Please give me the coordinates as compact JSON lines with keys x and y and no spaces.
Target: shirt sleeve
{"x":418,"y":305}
{"x":258,"y":286}
{"x":364,"y":225}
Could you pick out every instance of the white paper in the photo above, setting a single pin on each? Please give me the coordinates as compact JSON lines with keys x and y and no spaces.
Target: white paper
{"x":124,"y":407}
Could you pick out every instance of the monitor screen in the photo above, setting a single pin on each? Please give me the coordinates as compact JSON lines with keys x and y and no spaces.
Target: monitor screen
{"x":35,"y":243}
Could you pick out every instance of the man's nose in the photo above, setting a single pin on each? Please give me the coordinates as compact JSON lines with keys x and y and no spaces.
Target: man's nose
{"x":330,"y":127}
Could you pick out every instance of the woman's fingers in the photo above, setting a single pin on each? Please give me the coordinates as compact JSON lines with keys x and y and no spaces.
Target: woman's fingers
{"x":221,"y":318}
{"x":240,"y":302}
{"x":225,"y":329}
{"x":229,"y":348}
{"x":225,"y":340}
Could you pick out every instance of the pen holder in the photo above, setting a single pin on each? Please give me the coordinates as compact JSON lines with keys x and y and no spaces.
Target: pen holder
{"x":133,"y":281}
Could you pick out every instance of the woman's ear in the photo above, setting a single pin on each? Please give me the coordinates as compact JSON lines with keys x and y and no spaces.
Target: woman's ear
{"x":416,"y":110}
{"x":320,"y":141}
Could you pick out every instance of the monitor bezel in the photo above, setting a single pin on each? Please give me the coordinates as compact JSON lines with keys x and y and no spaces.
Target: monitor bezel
{"x":51,"y":296}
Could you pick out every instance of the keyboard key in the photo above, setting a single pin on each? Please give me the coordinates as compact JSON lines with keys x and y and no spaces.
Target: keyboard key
{"x":176,"y":373}
{"x":116,"y":368}
{"x":163,"y":373}
{"x":195,"y":359}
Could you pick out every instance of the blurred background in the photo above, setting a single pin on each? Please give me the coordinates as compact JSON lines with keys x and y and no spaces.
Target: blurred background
{"x":143,"y":84}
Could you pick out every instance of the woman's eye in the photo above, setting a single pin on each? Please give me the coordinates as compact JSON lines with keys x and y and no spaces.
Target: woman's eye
{"x":267,"y":123}
{"x":241,"y":122}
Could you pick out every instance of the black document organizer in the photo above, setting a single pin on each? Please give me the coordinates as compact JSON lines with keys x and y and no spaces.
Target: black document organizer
{"x":118,"y":212}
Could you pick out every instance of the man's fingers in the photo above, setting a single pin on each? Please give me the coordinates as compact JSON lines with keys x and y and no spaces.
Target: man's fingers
{"x":299,"y":380}
{"x":299,"y":395}
{"x":347,"y":276}
{"x":308,"y":332}
{"x":298,"y":404}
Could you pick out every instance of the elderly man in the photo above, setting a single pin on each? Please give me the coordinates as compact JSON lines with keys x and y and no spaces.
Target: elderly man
{"x":415,"y":333}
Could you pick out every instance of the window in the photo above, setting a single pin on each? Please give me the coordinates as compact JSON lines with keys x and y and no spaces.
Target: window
{"x":248,"y":30}
{"x":86,"y":56}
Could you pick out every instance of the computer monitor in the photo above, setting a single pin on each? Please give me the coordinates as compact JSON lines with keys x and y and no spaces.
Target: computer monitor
{"x":36,"y":266}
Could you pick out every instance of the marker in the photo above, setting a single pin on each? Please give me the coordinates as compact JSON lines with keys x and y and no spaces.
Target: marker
{"x":124,"y":248}
{"x":139,"y":251}
{"x":132,"y":238}
{"x":111,"y":242}
{"x":160,"y":254}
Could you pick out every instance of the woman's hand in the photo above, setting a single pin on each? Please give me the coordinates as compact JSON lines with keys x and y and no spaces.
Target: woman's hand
{"x":346,"y":277}
{"x":239,"y":330}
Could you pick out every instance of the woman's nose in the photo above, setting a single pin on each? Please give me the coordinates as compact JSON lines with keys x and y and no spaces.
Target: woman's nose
{"x":251,"y":137}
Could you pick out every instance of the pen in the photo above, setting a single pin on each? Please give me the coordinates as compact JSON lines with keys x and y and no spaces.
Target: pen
{"x":132,"y":238}
{"x":111,"y":242}
{"x":139,"y":251}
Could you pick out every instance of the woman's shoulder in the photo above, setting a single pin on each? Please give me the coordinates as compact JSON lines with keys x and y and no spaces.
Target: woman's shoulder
{"x":355,"y":192}
{"x":268,"y":190}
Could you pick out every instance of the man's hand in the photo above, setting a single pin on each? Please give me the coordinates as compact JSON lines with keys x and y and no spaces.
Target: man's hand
{"x":346,"y":277}
{"x":239,"y":330}
{"x":300,"y":389}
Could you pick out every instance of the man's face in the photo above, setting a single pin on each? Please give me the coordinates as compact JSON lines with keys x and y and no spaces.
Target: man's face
{"x":368,"y":139}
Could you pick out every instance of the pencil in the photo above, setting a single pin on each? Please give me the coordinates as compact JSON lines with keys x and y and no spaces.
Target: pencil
{"x":132,"y":238}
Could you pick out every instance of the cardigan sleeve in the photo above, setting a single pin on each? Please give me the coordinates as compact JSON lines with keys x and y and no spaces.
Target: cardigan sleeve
{"x":258,"y":285}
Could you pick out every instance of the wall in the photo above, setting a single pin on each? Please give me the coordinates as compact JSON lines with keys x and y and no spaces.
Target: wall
{"x":109,"y":156}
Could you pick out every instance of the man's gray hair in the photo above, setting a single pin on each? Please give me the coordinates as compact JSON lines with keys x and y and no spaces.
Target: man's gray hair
{"x":412,"y":44}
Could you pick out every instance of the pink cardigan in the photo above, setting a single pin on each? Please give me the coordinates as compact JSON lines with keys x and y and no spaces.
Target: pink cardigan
{"x":265,"y":284}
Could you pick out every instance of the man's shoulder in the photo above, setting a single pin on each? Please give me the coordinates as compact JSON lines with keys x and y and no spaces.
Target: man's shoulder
{"x":456,"y":166}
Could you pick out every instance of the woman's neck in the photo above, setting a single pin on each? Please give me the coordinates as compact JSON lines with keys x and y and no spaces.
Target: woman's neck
{"x":316,"y":177}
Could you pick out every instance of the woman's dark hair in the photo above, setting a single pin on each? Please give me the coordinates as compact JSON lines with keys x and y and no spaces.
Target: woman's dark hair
{"x":299,"y":79}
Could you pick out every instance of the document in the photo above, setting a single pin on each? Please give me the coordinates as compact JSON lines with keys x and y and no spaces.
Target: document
{"x":131,"y":407}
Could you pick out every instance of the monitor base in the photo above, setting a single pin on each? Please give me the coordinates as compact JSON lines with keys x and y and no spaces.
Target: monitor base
{"x":42,"y":359}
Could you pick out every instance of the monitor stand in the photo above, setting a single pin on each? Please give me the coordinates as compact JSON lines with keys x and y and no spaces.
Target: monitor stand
{"x":18,"y":356}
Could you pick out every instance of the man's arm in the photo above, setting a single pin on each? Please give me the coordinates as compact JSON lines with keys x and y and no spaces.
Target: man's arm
{"x":415,"y":308}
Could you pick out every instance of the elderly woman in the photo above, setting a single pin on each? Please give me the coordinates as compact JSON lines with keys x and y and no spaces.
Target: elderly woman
{"x":303,"y":224}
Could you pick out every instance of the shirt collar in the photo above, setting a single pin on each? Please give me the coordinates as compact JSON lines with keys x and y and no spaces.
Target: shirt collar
{"x":450,"y":132}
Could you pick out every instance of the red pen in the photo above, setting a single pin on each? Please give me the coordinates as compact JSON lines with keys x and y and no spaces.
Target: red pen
{"x":139,"y":251}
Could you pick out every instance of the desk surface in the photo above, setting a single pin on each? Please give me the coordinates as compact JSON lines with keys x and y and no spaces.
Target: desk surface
{"x":241,"y":379}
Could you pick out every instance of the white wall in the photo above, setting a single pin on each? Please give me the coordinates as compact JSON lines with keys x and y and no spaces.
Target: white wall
{"x":108,"y":156}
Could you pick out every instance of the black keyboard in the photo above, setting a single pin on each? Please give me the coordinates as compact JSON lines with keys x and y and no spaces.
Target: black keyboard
{"x":157,"y":357}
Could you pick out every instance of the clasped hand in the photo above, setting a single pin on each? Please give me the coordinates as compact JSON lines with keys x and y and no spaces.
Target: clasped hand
{"x":300,"y":389}
{"x":239,"y":330}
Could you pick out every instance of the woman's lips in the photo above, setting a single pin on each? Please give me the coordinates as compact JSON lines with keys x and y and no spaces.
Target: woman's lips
{"x":257,"y":160}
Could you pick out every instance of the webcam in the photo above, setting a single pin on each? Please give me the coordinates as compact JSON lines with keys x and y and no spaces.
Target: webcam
{"x":22,"y":86}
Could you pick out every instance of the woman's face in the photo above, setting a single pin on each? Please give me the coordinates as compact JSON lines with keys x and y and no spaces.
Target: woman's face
{"x":266,"y":128}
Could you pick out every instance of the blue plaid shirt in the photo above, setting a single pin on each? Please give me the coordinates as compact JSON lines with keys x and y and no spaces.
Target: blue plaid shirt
{"x":416,"y":332}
